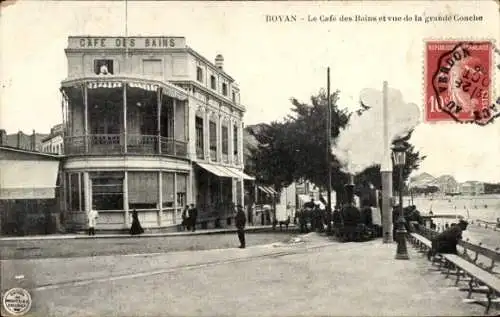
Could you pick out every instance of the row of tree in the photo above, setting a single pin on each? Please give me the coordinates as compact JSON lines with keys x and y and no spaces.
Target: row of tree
{"x":295,"y":148}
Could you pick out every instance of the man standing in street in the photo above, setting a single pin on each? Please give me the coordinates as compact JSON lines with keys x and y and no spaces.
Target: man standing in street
{"x":92,"y":218}
{"x":240,"y":225}
{"x":193,"y":214}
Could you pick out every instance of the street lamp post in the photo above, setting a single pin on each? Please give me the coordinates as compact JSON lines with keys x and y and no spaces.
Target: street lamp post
{"x":399,"y":155}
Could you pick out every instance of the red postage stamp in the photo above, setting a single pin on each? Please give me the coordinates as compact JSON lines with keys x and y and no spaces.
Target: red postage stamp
{"x":459,"y":82}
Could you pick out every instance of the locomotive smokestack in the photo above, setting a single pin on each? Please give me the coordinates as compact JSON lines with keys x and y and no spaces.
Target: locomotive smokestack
{"x":349,"y":190}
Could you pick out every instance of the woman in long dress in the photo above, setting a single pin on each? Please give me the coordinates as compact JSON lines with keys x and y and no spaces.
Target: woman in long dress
{"x":136,"y":227}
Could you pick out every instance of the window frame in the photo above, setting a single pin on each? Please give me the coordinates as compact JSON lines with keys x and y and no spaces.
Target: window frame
{"x":213,"y":82}
{"x":199,"y":74}
{"x":224,"y":89}
{"x":199,"y":142}
{"x":109,"y":61}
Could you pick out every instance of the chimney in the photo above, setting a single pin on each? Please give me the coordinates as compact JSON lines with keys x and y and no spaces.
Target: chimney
{"x":349,"y":191}
{"x":219,"y":61}
{"x":33,"y":141}
{"x":3,"y":137}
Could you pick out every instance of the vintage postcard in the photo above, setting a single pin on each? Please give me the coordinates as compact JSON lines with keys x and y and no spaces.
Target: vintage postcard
{"x":249,"y":158}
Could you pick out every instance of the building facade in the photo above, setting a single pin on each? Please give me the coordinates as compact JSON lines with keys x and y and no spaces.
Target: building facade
{"x":151,"y":125}
{"x":472,"y":188}
{"x":54,"y":142}
{"x":22,"y":140}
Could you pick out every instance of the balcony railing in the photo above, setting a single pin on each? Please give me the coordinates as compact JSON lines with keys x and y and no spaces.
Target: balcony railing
{"x":115,"y":144}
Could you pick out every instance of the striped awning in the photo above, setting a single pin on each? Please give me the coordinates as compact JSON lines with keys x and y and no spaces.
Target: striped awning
{"x":104,"y":84}
{"x":271,"y":190}
{"x":150,"y":87}
{"x":240,"y":174}
{"x":267,"y":190}
{"x":216,"y":170}
{"x":171,"y":92}
{"x":95,"y":82}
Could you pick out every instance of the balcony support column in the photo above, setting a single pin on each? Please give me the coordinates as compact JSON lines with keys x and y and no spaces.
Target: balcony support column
{"x":160,"y":199}
{"x":125,"y":199}
{"x":85,"y":118}
{"x":159,"y":102}
{"x":186,"y":122}
{"x":125,"y":139}
{"x":174,"y":215}
{"x":174,"y":113}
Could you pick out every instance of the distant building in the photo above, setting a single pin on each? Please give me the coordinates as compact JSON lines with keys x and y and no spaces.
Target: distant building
{"x":447,"y":184}
{"x":472,"y":188}
{"x":20,"y":140}
{"x":54,"y":142}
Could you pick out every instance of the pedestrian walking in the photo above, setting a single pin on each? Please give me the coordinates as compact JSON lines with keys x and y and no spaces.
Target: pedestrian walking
{"x":193,"y":214}
{"x":240,"y":221}
{"x":185,"y":224}
{"x":92,"y":219}
{"x":136,"y":227}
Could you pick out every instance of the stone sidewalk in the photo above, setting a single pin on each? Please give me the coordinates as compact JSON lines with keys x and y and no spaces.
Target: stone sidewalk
{"x":308,"y":276}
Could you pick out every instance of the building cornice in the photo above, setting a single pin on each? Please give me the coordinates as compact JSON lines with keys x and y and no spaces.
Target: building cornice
{"x":211,"y":93}
{"x":132,"y":51}
{"x":210,"y":64}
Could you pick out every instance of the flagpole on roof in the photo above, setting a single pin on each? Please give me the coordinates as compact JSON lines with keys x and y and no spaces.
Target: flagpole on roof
{"x":126,"y":30}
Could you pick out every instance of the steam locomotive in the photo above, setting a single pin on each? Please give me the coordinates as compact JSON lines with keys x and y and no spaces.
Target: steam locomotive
{"x":351,"y":223}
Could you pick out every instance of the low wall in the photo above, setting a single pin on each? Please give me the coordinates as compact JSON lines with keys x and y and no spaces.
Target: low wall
{"x":29,"y":217}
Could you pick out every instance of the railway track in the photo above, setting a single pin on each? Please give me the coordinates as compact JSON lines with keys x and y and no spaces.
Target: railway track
{"x":174,"y":269}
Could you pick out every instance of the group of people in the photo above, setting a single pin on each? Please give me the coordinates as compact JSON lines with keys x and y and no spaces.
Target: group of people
{"x":446,"y":241}
{"x":189,"y":216}
{"x":313,"y":214}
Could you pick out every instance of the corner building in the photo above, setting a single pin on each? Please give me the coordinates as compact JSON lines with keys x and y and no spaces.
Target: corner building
{"x":150,"y":125}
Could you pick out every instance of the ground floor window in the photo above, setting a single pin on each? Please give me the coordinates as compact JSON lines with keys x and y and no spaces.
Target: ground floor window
{"x":167,"y":188}
{"x":107,"y":190}
{"x":181,"y":190}
{"x":75,"y":192}
{"x":142,"y":190}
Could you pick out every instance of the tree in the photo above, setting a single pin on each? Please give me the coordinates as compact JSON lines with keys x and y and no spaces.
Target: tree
{"x":295,"y":148}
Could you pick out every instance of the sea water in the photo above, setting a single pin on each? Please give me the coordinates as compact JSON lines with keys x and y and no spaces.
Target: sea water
{"x":483,"y":207}
{"x":472,"y":208}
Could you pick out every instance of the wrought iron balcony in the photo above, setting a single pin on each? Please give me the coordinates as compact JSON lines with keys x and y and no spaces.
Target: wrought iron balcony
{"x":102,"y":144}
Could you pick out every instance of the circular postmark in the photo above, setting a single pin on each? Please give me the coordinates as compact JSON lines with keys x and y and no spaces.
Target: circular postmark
{"x":462,"y":81}
{"x":17,"y":301}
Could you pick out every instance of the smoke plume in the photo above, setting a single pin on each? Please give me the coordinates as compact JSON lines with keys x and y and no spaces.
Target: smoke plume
{"x":361,"y":144}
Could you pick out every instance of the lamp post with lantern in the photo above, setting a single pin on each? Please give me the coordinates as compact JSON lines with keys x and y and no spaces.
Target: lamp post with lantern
{"x":399,"y":157}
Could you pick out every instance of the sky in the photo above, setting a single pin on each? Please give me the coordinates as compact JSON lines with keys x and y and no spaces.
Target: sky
{"x":271,"y":61}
